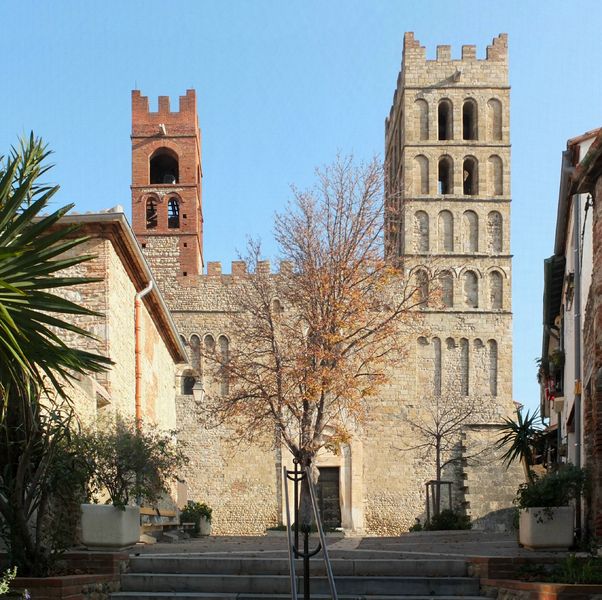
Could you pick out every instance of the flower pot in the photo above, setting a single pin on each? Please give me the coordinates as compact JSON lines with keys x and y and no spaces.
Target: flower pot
{"x":204,"y":526}
{"x":106,"y":526}
{"x":540,"y":528}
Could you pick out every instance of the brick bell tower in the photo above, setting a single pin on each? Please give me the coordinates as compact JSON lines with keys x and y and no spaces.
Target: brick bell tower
{"x":167,"y":211}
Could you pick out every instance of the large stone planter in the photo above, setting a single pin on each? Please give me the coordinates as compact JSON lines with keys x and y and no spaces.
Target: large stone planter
{"x":105,"y":526}
{"x":537,"y":530}
{"x":204,"y":526}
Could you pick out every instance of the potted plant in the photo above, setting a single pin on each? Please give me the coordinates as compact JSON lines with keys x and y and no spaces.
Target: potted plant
{"x":127,"y":465}
{"x":546,"y":515}
{"x":198,"y":513}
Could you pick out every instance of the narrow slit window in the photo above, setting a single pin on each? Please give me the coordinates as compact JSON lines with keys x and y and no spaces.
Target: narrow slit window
{"x":469,"y":120}
{"x":470,"y":176}
{"x":173,"y":214}
{"x":151,"y":213}
{"x":445,"y":182}
{"x":444,"y":114}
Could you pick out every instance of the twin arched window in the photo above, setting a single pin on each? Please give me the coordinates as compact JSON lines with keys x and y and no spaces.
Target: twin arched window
{"x":152,"y":213}
{"x":493,"y":179}
{"x":470,"y":119}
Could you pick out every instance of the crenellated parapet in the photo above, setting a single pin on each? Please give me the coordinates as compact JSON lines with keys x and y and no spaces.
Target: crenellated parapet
{"x":239,"y":268}
{"x":181,"y":122}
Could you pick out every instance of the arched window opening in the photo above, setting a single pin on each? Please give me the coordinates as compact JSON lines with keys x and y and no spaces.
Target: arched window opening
{"x":464,"y":368}
{"x":173,"y":213}
{"x":493,"y":362}
{"x":437,"y":377}
{"x":470,"y":233}
{"x":446,"y":231}
{"x":151,"y":213}
{"x":445,"y":176}
{"x":209,"y":344}
{"x":422,"y":119}
{"x":422,"y":288}
{"x":494,"y":119}
{"x":188,"y":381}
{"x":494,"y":232}
{"x":421,"y":164}
{"x":469,"y":120}
{"x":195,"y":352}
{"x":496,"y":290}
{"x":445,"y":121}
{"x":421,"y":232}
{"x":471,"y":290}
{"x":164,"y":167}
{"x":496,"y":175}
{"x":469,"y":171}
{"x":447,"y":289}
{"x":224,"y":359}
{"x":277,"y":308}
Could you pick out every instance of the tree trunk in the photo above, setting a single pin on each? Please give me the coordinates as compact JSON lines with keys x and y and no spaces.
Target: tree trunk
{"x":437,"y":506}
{"x":306,"y":513}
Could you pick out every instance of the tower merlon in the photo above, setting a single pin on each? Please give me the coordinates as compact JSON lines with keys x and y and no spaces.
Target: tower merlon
{"x":263,"y":266}
{"x":214,"y":268}
{"x":239,"y":268}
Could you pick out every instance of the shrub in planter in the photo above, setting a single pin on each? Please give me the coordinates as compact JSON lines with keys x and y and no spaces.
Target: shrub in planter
{"x":196,"y":512}
{"x":546,"y":517}
{"x":556,"y":488}
{"x":126,"y":464}
{"x":131,"y":464}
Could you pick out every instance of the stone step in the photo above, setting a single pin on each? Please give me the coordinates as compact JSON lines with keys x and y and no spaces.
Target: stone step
{"x":280,"y":566}
{"x":280,"y":584}
{"x":244,"y":596}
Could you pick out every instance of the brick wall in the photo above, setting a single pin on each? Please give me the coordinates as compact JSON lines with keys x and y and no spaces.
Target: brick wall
{"x":592,"y":370}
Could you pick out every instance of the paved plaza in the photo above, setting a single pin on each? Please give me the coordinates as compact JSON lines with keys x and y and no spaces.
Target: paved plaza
{"x":412,"y":545}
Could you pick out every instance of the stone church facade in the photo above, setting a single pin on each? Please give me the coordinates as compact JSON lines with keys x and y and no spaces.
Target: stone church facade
{"x":447,"y":157}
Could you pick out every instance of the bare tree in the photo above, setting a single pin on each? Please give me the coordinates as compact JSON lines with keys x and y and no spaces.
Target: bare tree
{"x":439,"y":430}
{"x":311,"y":344}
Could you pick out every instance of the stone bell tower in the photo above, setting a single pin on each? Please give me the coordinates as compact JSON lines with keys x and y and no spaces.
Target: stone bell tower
{"x":447,"y":225}
{"x":167,"y":213}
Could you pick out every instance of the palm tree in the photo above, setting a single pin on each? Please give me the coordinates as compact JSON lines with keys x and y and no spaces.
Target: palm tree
{"x":31,"y":249}
{"x":35,"y":362}
{"x":518,"y":436}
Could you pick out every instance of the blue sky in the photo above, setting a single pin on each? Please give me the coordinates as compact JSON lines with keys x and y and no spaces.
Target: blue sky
{"x":281,"y":87}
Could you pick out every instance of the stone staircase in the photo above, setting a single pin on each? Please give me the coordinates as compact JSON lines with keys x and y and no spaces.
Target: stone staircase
{"x":203,"y":577}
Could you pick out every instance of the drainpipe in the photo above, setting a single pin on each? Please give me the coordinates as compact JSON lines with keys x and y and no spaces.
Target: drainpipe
{"x":577,"y":334}
{"x":138,"y":351}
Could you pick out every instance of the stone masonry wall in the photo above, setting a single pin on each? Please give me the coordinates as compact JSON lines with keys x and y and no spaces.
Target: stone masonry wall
{"x":460,"y":352}
{"x":113,"y":297}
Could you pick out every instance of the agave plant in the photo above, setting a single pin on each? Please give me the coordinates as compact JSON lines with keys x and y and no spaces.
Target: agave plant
{"x":518,"y":437}
{"x":32,"y":254}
